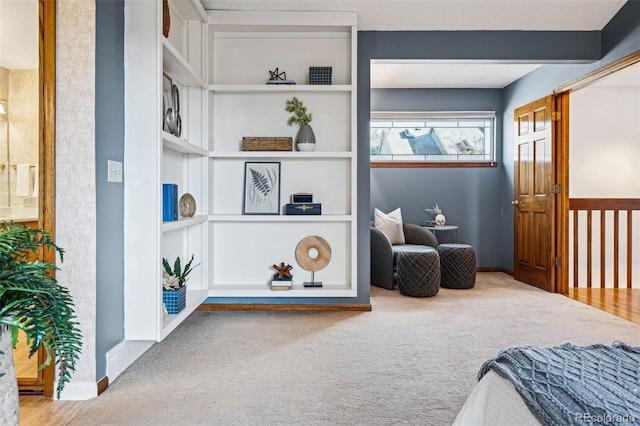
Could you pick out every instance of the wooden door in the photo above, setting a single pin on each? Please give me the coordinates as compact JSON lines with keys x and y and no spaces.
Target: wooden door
{"x":533,"y":201}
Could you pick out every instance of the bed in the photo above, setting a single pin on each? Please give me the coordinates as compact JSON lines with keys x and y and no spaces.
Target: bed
{"x":560,"y":385}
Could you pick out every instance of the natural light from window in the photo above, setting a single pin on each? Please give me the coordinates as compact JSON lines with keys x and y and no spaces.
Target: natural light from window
{"x":428,"y":137}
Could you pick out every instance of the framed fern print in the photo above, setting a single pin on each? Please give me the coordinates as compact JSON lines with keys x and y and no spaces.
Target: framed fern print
{"x":261,"y":187}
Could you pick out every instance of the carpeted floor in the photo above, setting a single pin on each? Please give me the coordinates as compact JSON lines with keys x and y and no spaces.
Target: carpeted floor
{"x":408,"y":362}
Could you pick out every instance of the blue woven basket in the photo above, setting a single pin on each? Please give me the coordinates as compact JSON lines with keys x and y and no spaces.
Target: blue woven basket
{"x":175,"y":300}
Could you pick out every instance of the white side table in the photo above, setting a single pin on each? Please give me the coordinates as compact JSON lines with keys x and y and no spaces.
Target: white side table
{"x":436,"y":229}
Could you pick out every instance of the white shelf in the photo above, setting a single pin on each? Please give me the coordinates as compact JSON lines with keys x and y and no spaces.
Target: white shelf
{"x":183,"y":222}
{"x":174,"y":143}
{"x":272,"y":88}
{"x":264,"y":290}
{"x":280,"y":218}
{"x":281,"y":154}
{"x":176,"y":66}
{"x":194,"y":299}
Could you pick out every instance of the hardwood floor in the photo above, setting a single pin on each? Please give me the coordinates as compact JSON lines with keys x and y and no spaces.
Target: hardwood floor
{"x":621,"y":302}
{"x":38,"y":411}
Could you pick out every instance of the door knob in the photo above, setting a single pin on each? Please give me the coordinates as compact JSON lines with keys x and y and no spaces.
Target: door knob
{"x":515,"y":202}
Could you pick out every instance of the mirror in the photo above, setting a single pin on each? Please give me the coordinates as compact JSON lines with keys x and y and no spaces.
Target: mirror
{"x":20,"y":110}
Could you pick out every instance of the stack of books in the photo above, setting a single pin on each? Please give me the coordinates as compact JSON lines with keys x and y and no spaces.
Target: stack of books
{"x":169,"y":202}
{"x":302,"y":203}
{"x":283,"y":284}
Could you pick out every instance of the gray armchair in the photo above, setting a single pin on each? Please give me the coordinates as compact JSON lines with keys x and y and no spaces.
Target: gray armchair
{"x":384,"y":255}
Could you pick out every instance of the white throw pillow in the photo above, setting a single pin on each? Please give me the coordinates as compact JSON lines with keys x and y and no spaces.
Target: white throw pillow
{"x":390,"y":224}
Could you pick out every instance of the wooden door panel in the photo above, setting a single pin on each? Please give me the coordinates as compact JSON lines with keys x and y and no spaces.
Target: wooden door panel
{"x":533,"y":198}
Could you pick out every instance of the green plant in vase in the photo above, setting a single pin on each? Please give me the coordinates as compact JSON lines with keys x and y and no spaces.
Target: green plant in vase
{"x":305,"y":138}
{"x":174,"y":282}
{"x":31,"y":300}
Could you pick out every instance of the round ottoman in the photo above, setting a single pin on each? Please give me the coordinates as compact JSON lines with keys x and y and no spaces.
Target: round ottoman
{"x":418,"y":272}
{"x":457,"y":265}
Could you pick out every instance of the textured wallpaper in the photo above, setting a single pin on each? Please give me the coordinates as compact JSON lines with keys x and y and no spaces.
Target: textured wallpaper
{"x":75,"y":168}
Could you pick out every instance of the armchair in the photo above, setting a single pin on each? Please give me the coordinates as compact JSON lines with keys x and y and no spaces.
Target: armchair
{"x":384,"y":254}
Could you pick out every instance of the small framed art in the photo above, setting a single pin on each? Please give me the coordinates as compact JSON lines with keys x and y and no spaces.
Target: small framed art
{"x":261,"y":187}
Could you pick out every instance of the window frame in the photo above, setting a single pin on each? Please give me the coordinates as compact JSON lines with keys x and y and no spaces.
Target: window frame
{"x":435,"y":115}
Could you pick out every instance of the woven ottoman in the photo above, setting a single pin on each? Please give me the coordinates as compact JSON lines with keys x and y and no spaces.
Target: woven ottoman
{"x":457,"y":265}
{"x":418,"y":272}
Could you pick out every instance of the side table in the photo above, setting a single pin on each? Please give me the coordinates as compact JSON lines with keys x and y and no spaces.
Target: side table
{"x":436,"y":229}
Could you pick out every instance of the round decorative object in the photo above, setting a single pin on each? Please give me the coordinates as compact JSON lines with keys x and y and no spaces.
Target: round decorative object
{"x":313,"y":253}
{"x":187,"y":205}
{"x":440,"y":220}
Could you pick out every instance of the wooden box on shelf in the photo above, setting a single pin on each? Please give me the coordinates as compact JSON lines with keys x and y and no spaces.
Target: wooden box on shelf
{"x":267,"y":144}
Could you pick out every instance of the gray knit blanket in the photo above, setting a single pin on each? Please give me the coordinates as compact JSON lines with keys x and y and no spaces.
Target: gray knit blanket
{"x":571,"y":385}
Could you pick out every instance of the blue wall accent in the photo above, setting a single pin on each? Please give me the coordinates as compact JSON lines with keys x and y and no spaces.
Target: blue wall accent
{"x":573,"y":48}
{"x":109,"y":196}
{"x":469,"y":197}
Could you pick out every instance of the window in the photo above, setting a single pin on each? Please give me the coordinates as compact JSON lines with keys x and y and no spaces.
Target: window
{"x":427,"y":139}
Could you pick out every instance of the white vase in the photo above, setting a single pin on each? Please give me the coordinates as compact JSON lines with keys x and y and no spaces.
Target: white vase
{"x":9,"y":400}
{"x":440,"y":220}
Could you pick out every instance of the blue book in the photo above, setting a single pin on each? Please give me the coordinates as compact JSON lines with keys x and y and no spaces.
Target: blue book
{"x":169,"y":202}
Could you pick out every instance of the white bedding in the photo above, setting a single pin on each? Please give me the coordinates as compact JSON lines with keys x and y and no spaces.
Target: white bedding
{"x":495,"y":402}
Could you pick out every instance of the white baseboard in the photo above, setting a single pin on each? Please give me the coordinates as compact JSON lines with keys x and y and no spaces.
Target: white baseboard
{"x":121,"y":356}
{"x":76,"y":391}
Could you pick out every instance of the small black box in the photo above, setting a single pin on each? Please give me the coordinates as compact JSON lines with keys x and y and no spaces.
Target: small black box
{"x":320,"y":75}
{"x":302,"y":197}
{"x":303,"y":209}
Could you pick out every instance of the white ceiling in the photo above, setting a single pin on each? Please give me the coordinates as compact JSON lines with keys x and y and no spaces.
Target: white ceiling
{"x":450,"y":15}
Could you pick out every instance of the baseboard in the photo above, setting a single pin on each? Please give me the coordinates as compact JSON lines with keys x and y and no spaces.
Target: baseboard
{"x":103,"y":384}
{"x":121,"y":356}
{"x":504,"y":271}
{"x":77,"y":391}
{"x":282,"y":307}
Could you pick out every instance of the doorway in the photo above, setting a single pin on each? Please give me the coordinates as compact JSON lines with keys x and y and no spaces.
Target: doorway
{"x":603,"y":216}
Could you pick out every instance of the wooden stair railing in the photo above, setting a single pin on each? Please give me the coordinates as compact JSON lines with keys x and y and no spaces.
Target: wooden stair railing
{"x":618,"y":206}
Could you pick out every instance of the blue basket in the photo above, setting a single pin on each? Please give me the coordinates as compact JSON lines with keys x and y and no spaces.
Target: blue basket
{"x":175,"y":300}
{"x":320,"y":75}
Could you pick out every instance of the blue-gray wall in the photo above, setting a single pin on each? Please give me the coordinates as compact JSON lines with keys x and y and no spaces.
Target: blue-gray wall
{"x":109,"y":196}
{"x":469,"y":197}
{"x":472,"y":198}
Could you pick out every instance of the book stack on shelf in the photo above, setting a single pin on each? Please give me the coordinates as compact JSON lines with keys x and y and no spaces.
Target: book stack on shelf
{"x":282,"y":279}
{"x":169,"y":202}
{"x":302,"y":203}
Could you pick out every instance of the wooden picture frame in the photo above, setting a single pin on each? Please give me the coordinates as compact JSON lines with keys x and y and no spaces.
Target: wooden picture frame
{"x":261,"y":188}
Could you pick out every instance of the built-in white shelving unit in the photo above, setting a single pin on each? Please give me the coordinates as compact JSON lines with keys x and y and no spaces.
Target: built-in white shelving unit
{"x":154,"y":156}
{"x":220,"y":62}
{"x":244,"y":47}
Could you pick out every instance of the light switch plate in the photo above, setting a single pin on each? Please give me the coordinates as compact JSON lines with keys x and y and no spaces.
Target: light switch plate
{"x":114,"y":173}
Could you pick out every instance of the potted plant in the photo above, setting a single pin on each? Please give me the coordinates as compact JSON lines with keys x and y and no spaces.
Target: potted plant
{"x":305,"y":139}
{"x":439,"y":220}
{"x":31,"y":300}
{"x":174,"y":289}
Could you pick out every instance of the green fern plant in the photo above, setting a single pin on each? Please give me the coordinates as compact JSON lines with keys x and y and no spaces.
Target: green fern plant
{"x":31,"y":300}
{"x":300,"y":115}
{"x":177,"y":270}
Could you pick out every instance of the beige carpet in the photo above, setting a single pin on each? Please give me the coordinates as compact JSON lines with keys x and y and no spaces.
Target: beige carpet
{"x":408,"y":362}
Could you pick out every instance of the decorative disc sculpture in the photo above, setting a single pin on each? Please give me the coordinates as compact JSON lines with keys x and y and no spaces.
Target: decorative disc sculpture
{"x":313,"y":253}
